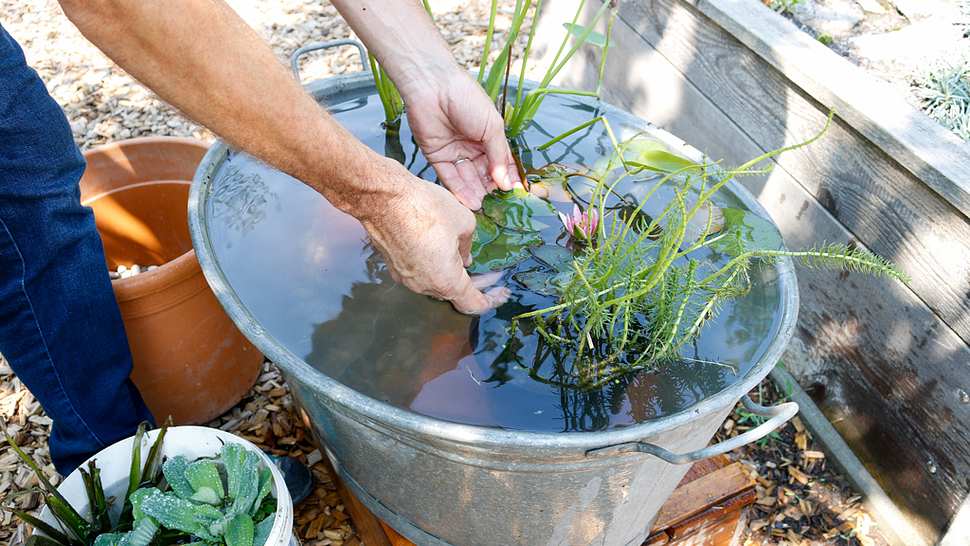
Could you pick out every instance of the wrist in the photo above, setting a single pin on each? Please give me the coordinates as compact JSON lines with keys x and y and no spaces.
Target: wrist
{"x":425,"y":82}
{"x":367,"y":187}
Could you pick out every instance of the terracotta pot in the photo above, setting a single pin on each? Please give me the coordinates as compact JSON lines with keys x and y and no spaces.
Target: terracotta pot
{"x":190,"y":361}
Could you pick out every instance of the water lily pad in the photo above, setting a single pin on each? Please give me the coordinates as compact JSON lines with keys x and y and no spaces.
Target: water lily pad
{"x":541,"y":280}
{"x":554,"y":257}
{"x":486,"y":231}
{"x":506,"y":250}
{"x":518,"y":210}
{"x":746,"y":230}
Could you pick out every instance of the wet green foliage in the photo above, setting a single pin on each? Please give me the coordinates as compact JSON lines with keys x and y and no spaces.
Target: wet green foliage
{"x":509,"y":224}
{"x":643,"y":287}
{"x":170,"y":502}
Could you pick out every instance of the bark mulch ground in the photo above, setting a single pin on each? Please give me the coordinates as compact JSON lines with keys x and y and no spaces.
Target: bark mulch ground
{"x":802,"y":500}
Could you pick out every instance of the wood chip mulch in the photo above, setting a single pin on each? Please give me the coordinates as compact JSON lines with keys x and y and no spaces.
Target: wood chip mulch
{"x":802,"y":498}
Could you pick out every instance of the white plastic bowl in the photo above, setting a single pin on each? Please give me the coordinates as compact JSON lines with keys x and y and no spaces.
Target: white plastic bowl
{"x":188,"y":441}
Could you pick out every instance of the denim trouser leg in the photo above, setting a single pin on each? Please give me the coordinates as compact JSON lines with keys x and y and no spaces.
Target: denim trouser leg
{"x":60,"y":328}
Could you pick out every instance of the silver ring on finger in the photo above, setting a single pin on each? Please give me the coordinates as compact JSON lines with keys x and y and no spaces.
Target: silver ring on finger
{"x":460,"y":160}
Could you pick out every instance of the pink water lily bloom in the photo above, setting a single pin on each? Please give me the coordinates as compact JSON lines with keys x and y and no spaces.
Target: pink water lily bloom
{"x":581,"y":225}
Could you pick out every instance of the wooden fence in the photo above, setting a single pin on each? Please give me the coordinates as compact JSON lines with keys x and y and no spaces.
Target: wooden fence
{"x":888,"y":363}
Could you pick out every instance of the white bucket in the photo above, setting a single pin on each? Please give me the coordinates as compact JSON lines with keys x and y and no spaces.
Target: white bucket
{"x":190,"y":442}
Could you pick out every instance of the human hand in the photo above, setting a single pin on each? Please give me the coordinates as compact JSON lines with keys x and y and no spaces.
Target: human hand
{"x":425,"y":236}
{"x":461,"y":134}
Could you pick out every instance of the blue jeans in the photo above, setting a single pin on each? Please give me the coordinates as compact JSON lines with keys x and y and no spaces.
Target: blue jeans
{"x":60,"y":329}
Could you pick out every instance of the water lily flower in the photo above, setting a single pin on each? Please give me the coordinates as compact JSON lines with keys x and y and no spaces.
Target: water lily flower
{"x":582,"y":224}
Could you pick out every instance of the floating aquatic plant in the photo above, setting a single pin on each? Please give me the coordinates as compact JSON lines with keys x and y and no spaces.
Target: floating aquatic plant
{"x":581,"y":225}
{"x":642,"y":289}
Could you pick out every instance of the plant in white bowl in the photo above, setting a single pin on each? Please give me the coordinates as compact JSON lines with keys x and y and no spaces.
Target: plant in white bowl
{"x":196,"y":486}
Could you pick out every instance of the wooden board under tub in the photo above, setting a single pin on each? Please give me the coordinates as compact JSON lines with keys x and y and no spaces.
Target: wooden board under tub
{"x":706,"y":509}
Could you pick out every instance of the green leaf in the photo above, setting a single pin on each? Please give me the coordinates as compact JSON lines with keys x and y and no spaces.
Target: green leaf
{"x":138,"y":500}
{"x":143,"y":532}
{"x":486,"y":231}
{"x":518,"y":210}
{"x":174,"y":512}
{"x":111,"y":539}
{"x":69,"y":517}
{"x":242,"y":474}
{"x":153,"y":464}
{"x":99,"y":508}
{"x":203,"y":476}
{"x":174,"y":471}
{"x":265,"y":485}
{"x":240,"y":531}
{"x":652,"y":155}
{"x":43,"y":526}
{"x":134,"y":477}
{"x":37,"y":540}
{"x":248,"y":486}
{"x":593,"y":37}
{"x":263,"y":529}
{"x":745,"y":230}
{"x":233,"y":457}
{"x":508,"y":249}
{"x":92,"y":502}
{"x":267,"y":507}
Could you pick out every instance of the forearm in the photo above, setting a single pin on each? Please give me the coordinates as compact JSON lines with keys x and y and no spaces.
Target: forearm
{"x":202,"y":58}
{"x":403,"y":38}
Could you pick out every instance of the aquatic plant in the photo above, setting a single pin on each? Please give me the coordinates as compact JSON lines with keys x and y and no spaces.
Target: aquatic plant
{"x":645,"y":287}
{"x":494,"y":76}
{"x":581,"y":225}
{"x":175,"y":502}
{"x":387,"y":92}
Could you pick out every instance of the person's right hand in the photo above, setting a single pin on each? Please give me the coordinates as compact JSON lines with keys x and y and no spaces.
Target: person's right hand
{"x":425,"y":236}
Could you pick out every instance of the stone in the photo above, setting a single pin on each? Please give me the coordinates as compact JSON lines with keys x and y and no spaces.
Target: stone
{"x":872,"y":6}
{"x":835,"y":18}
{"x":916,"y":10}
{"x":909,"y":47}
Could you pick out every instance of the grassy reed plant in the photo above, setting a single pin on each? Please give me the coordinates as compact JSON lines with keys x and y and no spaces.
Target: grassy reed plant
{"x":493,"y":76}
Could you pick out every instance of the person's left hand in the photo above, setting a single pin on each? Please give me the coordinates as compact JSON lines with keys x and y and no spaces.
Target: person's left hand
{"x":462,"y":135}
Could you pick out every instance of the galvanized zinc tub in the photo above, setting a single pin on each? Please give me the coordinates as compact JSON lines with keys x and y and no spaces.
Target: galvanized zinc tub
{"x":439,"y":482}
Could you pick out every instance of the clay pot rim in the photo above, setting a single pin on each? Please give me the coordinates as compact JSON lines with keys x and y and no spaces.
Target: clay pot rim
{"x":171,"y":272}
{"x":150,"y":139}
{"x":168,"y":274}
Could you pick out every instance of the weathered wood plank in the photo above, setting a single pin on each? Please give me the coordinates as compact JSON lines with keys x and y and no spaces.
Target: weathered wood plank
{"x":911,"y":365}
{"x":717,"y":488}
{"x":935,"y":155}
{"x":886,"y":207}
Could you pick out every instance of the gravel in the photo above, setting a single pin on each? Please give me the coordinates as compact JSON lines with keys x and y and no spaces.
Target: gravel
{"x":902,"y":42}
{"x":801,"y":499}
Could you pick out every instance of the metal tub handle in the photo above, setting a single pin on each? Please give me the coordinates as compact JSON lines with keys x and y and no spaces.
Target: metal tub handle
{"x":317,"y":46}
{"x":777,"y":415}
